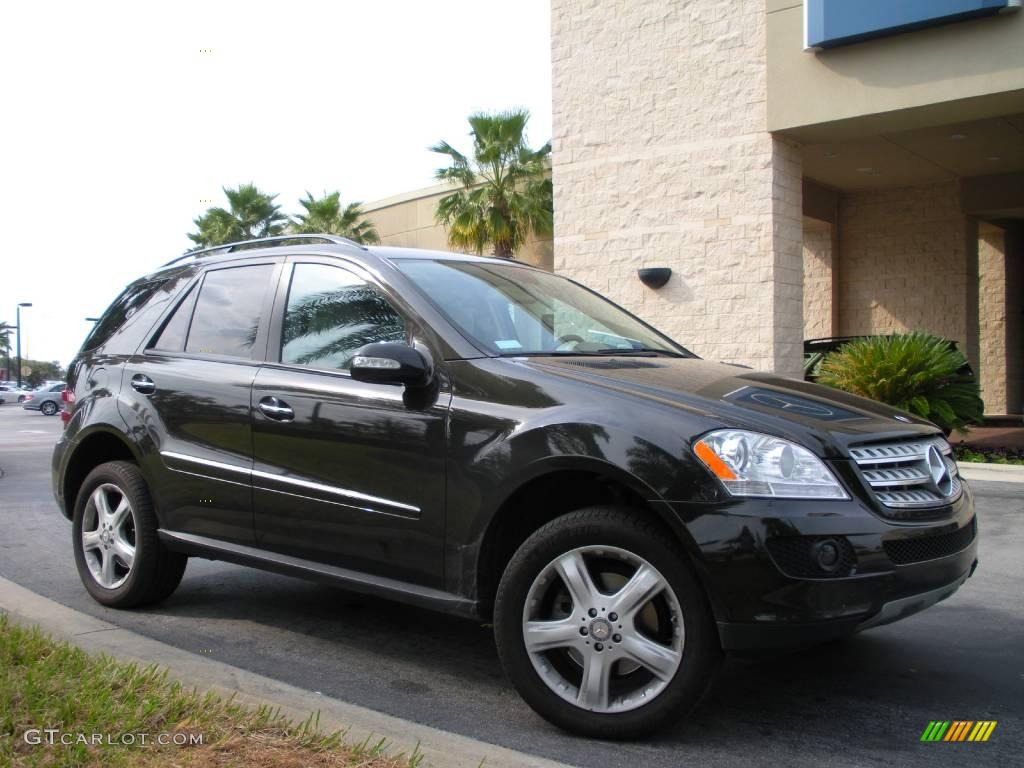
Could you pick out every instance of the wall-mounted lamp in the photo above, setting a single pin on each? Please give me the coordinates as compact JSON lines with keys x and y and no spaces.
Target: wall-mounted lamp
{"x":654,"y":277}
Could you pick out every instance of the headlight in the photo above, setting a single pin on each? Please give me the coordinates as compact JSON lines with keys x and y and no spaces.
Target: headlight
{"x":752,"y":464}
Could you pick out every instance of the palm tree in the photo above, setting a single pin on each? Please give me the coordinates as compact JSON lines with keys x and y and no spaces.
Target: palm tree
{"x":252,"y":215}
{"x":326,"y":215}
{"x":5,"y":346}
{"x":504,"y":193}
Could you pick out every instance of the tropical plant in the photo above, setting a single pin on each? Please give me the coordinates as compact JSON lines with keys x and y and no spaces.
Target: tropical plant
{"x":916,"y":372}
{"x":5,"y":345}
{"x":251,"y":214}
{"x":326,"y":215}
{"x":504,"y":193}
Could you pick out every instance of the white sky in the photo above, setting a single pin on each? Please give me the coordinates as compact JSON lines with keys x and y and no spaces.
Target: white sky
{"x":114,"y":128}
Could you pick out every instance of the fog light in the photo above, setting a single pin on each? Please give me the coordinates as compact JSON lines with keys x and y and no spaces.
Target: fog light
{"x":827,"y":555}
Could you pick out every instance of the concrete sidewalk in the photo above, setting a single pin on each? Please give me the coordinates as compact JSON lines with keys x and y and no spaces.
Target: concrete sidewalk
{"x":96,"y":636}
{"x":998,"y":473}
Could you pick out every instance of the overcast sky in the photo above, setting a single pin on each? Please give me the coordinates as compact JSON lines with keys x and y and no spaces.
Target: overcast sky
{"x":115,"y":128}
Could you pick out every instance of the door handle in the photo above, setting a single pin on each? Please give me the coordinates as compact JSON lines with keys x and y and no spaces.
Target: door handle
{"x":277,"y":409}
{"x":143,"y":384}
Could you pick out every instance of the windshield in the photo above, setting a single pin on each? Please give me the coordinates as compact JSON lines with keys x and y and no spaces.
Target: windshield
{"x":510,"y":310}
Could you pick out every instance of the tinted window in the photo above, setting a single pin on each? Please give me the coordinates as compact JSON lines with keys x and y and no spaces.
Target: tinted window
{"x":228,"y":310}
{"x":172,"y":337}
{"x":330,"y":314}
{"x":131,"y":300}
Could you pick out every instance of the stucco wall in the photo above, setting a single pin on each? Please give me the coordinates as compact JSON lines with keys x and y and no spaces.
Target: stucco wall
{"x":408,"y":220}
{"x":903,"y":261}
{"x":906,"y":71}
{"x":661,"y":158}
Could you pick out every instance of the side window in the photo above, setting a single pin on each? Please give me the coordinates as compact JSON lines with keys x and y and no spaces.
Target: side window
{"x":172,"y":337}
{"x":331,"y":313}
{"x":227,"y":315}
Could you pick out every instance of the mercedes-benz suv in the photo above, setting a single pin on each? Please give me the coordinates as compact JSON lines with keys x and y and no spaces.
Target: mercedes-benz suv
{"x":494,"y":441}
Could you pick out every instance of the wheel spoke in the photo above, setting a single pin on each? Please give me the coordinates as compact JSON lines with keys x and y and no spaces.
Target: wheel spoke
{"x":545,"y":635}
{"x":659,"y":659}
{"x":125,"y":552}
{"x":597,"y":669}
{"x":573,"y":570}
{"x":102,"y":504}
{"x":120,"y":515}
{"x":638,"y":591}
{"x":90,"y":540}
{"x":107,"y":568}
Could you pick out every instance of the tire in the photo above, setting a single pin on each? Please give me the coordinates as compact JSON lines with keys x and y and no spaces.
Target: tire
{"x":153,"y":571}
{"x":49,"y":408}
{"x":612,"y":543}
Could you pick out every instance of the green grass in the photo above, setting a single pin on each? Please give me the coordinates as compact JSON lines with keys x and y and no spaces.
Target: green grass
{"x":49,"y":684}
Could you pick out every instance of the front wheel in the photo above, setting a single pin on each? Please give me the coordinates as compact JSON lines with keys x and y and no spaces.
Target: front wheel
{"x":119,"y":556}
{"x":49,"y":408}
{"x":602,"y":625}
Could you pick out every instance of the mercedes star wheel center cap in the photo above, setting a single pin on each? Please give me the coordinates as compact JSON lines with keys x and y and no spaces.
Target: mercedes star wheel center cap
{"x":600,"y":629}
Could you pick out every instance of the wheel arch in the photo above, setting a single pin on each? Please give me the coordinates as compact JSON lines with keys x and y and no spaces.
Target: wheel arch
{"x":98,"y":447}
{"x":555,"y":487}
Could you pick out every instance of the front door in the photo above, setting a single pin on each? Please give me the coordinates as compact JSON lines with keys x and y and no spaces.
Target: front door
{"x":346,"y":473}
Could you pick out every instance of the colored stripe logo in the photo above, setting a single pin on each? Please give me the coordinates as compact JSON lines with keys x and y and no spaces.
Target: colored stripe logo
{"x":958,"y":730}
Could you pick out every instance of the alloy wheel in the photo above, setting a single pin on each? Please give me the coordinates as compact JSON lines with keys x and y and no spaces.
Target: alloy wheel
{"x":108,"y":536}
{"x":603,"y":629}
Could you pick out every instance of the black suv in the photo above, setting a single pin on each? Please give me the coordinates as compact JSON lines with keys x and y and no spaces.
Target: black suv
{"x":494,"y":441}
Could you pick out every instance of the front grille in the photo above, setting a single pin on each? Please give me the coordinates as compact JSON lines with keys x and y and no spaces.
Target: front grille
{"x":922,"y":548}
{"x":902,"y":476}
{"x":795,"y":556}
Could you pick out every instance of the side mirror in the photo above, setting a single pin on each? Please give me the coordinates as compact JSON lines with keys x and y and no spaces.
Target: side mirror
{"x":391,"y":363}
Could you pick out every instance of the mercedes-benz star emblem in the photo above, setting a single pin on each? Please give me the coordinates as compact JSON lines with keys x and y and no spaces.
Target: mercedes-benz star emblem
{"x":939,"y":471}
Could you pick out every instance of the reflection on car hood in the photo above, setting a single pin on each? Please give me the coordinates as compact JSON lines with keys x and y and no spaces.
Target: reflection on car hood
{"x":817,"y":416}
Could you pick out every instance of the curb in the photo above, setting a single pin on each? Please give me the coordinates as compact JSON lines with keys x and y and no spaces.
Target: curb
{"x":1002,"y":473}
{"x":441,"y":748}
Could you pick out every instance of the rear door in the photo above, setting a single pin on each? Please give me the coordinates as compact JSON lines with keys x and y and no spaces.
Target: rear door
{"x":187,"y":395}
{"x":346,"y":473}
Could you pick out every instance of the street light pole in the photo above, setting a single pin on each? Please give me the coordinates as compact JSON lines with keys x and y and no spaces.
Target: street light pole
{"x":17,"y":312}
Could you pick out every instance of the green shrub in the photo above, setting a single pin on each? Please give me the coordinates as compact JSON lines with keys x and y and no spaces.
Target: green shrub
{"x":915,"y":372}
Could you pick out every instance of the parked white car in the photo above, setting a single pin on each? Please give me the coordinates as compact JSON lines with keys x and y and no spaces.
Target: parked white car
{"x":12,"y":394}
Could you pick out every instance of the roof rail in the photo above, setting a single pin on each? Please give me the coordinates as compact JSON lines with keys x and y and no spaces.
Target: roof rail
{"x":264,"y":242}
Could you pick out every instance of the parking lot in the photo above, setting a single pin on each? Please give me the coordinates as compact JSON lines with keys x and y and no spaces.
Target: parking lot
{"x":865,"y":700}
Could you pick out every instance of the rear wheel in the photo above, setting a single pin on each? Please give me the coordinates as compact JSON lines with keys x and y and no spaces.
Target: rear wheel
{"x":120,"y":558}
{"x":602,"y":626}
{"x":49,"y":408}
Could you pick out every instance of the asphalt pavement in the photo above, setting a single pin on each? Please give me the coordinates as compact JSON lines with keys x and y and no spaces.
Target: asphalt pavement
{"x":861,"y":701}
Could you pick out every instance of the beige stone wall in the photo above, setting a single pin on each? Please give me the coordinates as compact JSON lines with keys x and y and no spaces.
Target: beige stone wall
{"x":903,"y":262}
{"x":992,"y":306}
{"x":817,"y":255}
{"x":661,"y":158}
{"x":407,"y":220}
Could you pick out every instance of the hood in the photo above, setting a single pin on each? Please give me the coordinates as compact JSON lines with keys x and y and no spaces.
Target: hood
{"x":823,"y":419}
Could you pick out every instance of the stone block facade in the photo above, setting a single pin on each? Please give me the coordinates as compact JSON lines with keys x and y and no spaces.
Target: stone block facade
{"x":818,"y":275}
{"x":661,"y":158}
{"x":904,"y":262}
{"x":992,"y":319}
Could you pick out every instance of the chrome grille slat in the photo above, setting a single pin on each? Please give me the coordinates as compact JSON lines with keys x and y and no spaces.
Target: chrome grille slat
{"x":899,"y":476}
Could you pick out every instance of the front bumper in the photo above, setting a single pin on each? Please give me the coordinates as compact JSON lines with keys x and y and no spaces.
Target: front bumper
{"x":760,"y":606}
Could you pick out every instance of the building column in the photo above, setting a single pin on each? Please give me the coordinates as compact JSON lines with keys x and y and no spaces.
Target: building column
{"x":661,"y":157}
